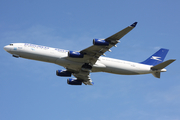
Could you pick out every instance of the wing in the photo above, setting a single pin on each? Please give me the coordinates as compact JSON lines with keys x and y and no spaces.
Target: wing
{"x":92,"y":53}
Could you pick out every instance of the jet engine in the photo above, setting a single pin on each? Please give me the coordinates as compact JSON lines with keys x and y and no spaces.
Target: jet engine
{"x":63,"y":73}
{"x":75,"y":54}
{"x":100,"y":42}
{"x":74,"y":81}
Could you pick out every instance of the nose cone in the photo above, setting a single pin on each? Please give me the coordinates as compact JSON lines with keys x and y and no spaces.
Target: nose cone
{"x":7,"y":48}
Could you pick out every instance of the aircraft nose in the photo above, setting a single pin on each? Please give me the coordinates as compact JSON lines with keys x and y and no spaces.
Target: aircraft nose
{"x":7,"y":48}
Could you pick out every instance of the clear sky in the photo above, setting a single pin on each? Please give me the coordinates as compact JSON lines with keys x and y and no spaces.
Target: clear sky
{"x":30,"y":90}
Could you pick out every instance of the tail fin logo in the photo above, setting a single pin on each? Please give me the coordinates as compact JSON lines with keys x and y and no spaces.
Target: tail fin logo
{"x":156,"y":58}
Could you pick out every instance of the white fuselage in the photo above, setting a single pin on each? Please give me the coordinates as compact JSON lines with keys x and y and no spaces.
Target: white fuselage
{"x":60,"y":57}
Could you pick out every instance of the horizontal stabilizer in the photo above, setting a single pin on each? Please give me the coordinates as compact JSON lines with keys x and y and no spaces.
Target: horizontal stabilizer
{"x":162,"y":65}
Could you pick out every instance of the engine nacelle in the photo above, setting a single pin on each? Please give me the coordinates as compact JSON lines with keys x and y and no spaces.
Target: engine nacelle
{"x":63,"y":73}
{"x":100,"y":42}
{"x":75,"y":54}
{"x":74,"y":81}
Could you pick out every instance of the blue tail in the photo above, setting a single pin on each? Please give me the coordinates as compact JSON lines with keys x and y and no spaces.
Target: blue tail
{"x":156,"y":58}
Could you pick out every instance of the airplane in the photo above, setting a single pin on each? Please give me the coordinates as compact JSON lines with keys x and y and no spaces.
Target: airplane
{"x":81,"y":63}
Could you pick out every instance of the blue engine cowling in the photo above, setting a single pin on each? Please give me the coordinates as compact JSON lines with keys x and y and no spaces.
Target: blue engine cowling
{"x":100,"y":42}
{"x":74,"y":81}
{"x":63,"y":73}
{"x":74,"y":54}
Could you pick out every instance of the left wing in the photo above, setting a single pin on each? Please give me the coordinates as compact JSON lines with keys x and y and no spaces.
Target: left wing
{"x":100,"y":46}
{"x":92,"y":53}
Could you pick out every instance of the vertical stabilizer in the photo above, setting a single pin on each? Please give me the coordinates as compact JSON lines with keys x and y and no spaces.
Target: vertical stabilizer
{"x":156,"y":58}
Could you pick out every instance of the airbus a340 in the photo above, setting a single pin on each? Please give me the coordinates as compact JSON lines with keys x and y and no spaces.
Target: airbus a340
{"x":81,"y":63}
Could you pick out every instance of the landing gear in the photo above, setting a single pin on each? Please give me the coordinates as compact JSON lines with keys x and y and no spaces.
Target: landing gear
{"x":86,"y":67}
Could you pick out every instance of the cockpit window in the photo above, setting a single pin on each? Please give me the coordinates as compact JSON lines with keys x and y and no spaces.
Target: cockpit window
{"x":11,"y":44}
